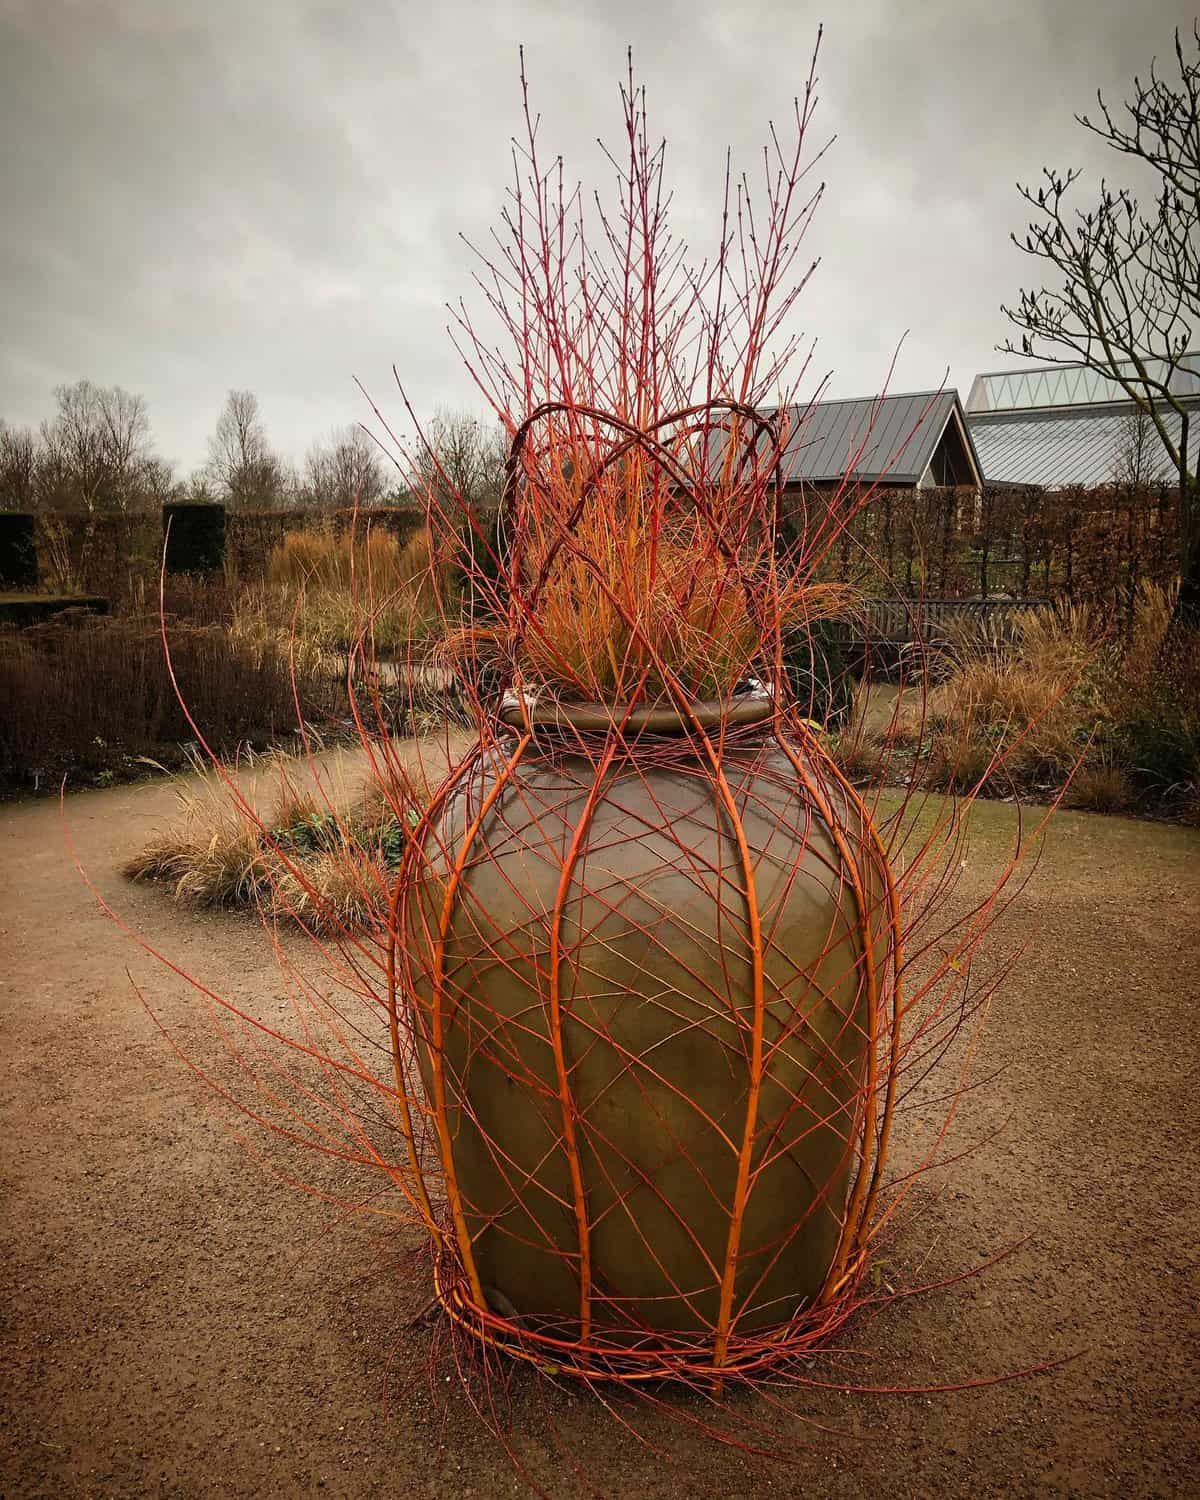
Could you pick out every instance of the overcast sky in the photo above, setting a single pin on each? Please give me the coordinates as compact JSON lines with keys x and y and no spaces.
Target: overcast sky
{"x":269,"y":193}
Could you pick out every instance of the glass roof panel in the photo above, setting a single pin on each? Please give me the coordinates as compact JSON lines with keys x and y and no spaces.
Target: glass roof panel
{"x":1068,"y":385}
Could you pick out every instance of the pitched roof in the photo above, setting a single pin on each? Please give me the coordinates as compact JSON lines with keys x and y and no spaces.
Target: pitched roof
{"x":890,"y":438}
{"x":1051,"y":449}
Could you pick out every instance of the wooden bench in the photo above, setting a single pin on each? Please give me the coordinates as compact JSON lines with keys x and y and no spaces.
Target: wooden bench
{"x":886,"y":630}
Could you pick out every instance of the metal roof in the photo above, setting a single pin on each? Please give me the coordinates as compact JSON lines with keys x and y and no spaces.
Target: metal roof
{"x":888,"y":438}
{"x":1062,"y":448}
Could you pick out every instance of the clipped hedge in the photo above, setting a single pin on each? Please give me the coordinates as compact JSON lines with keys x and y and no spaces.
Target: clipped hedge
{"x":194,"y":538}
{"x":18,"y":551}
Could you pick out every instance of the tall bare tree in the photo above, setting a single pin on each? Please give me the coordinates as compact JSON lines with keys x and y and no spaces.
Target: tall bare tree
{"x":344,"y":472}
{"x":460,"y":477}
{"x":96,"y":454}
{"x":241,"y":465}
{"x":1125,"y":295}
{"x":197,"y":488}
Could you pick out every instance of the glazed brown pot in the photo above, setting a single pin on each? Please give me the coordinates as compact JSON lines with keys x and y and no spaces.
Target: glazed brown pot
{"x":583,"y":947}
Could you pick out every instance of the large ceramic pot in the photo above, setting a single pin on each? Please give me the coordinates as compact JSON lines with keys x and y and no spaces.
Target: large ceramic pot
{"x":641,"y":977}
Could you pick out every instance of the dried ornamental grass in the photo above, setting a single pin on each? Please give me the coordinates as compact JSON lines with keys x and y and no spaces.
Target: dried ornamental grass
{"x":325,"y":865}
{"x":212,"y":856}
{"x":1103,"y":788}
{"x":621,"y":598}
{"x":332,"y":589}
{"x":375,"y":563}
{"x":1066,"y":703}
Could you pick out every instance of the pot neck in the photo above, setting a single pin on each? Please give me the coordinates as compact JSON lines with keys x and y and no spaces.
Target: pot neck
{"x":550,"y":718}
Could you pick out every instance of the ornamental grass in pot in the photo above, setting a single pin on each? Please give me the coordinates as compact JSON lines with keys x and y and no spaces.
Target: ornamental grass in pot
{"x":643,"y":938}
{"x":644,"y":944}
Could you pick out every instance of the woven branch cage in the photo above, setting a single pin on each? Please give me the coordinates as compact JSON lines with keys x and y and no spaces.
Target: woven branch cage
{"x":643,"y":981}
{"x":640,"y":967}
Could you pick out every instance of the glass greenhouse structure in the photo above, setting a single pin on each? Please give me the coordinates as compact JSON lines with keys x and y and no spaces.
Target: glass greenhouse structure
{"x":1069,"y":385}
{"x":1072,"y":425}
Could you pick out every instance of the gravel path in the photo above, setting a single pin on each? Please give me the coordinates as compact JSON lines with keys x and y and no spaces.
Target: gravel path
{"x":178,"y":1322}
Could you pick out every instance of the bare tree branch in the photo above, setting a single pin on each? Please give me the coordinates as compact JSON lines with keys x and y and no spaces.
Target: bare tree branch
{"x":1123,"y":284}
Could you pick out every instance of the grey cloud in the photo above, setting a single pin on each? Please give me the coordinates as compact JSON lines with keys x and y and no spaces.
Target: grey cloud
{"x":271,"y":195}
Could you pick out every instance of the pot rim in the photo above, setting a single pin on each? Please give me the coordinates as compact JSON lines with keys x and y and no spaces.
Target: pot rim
{"x":520,"y":710}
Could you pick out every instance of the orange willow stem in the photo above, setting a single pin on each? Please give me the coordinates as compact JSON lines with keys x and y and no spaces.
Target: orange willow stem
{"x":848,"y":1242}
{"x":741,"y":1191}
{"x":566,"y":1099}
{"x":436,"y":1060}
{"x":897,"y":944}
{"x":406,"y":1123}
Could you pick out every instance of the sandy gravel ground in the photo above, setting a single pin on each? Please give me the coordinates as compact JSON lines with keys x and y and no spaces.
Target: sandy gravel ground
{"x":178,"y":1322}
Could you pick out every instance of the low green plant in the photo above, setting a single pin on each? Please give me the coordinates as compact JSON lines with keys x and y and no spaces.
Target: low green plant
{"x":815,"y":662}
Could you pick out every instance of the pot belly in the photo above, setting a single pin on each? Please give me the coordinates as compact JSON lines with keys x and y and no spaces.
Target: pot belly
{"x":655,"y":999}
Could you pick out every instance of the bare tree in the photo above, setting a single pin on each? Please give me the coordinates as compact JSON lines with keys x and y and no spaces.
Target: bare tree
{"x":459,"y":477}
{"x":197,"y":488}
{"x":343,"y":473}
{"x":463,"y":466}
{"x":1137,"y":457}
{"x":18,"y":468}
{"x":241,"y":465}
{"x":96,"y":454}
{"x":1129,"y":298}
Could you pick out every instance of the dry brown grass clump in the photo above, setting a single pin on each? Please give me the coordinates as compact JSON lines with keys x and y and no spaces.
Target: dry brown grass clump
{"x":224,"y":868}
{"x":334,"y":890}
{"x":957,"y":761}
{"x":213,"y":856}
{"x":374,"y":563}
{"x":1006,"y":713}
{"x":1100,"y":788}
{"x":332,"y":590}
{"x":1066,"y":705}
{"x":327,"y":866}
{"x":624,"y":595}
